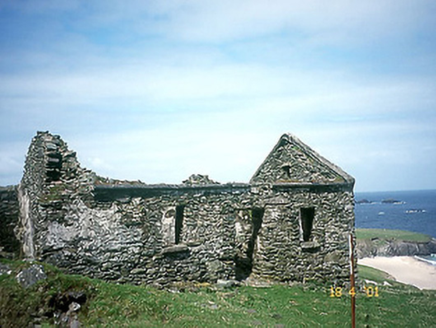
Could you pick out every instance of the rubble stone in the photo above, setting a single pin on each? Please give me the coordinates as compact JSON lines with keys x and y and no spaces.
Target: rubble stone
{"x":30,"y":276}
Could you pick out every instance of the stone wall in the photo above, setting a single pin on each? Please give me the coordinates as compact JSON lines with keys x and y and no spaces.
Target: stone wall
{"x":9,"y":211}
{"x":196,"y":231}
{"x":52,"y":180}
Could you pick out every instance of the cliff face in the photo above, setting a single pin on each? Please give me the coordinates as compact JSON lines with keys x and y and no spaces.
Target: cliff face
{"x":377,"y":247}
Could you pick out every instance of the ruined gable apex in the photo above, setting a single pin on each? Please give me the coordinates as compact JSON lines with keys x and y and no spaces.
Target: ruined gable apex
{"x":292,"y":161}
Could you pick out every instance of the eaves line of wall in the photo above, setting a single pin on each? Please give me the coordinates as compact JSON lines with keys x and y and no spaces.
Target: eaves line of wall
{"x":108,"y":193}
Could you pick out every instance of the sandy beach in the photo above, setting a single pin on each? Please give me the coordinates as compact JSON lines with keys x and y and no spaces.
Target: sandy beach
{"x":405,"y":269}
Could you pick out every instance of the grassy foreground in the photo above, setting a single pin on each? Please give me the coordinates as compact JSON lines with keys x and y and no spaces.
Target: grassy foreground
{"x":387,"y":234}
{"x":112,"y":305}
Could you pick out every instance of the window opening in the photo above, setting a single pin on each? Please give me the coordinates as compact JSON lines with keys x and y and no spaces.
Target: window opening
{"x":287,"y":171}
{"x":179,"y":223}
{"x":306,"y":216}
{"x":54,"y":166}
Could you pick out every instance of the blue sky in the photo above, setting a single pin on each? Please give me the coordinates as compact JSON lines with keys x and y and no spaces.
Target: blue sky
{"x":158,"y":90}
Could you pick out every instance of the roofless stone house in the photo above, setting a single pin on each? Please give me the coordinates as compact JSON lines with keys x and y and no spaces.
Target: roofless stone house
{"x":290,"y":223}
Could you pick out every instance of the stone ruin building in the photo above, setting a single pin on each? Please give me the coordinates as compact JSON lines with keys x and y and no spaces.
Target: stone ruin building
{"x":289,"y":223}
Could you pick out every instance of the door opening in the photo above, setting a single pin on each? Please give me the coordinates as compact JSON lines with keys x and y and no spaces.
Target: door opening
{"x":244,"y":265}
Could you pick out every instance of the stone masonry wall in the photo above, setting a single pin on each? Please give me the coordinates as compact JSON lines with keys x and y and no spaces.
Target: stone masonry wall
{"x":198,"y":231}
{"x":52,"y":180}
{"x":294,"y":162}
{"x":283,"y":255}
{"x":125,"y":240}
{"x":9,"y":211}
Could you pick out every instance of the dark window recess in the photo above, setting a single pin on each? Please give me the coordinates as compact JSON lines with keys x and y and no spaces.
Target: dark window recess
{"x":54,"y":166}
{"x":179,"y":222}
{"x":287,"y":171}
{"x":307,"y":215}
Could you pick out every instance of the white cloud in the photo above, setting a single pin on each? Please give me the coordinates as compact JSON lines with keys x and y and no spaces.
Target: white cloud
{"x":226,"y":20}
{"x":217,"y":21}
{"x":299,"y":88}
{"x":159,"y":90}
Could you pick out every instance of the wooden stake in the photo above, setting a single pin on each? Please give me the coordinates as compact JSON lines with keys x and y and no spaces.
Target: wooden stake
{"x":352,"y":283}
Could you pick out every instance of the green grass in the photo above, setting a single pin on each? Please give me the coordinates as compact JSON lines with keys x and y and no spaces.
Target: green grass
{"x":112,"y":305}
{"x":373,"y":274}
{"x":386,"y":234}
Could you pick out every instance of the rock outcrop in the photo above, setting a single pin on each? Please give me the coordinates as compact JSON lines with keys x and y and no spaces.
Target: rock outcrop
{"x":371,"y":248}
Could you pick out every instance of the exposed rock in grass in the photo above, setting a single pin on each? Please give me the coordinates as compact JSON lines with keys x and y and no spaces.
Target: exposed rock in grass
{"x":29,"y":277}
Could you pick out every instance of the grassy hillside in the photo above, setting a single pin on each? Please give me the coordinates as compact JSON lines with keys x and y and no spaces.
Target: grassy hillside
{"x":112,"y":305}
{"x":387,"y":234}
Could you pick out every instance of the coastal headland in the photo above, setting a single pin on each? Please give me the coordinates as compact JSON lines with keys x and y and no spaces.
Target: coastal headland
{"x":397,"y":252}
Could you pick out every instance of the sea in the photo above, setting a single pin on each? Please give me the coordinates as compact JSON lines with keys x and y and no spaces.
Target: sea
{"x":403,"y":210}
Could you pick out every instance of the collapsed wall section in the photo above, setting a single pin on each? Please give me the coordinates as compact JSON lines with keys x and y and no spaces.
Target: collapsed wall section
{"x":52,"y":180}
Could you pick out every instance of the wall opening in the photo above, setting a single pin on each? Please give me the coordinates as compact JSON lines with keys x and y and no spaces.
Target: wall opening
{"x":286,"y":171}
{"x":168,"y":227}
{"x":54,"y":167}
{"x":179,"y":223}
{"x":244,"y":264}
{"x":306,"y":217}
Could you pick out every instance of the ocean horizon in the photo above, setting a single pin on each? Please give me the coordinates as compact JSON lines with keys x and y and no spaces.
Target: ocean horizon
{"x":413,"y":210}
